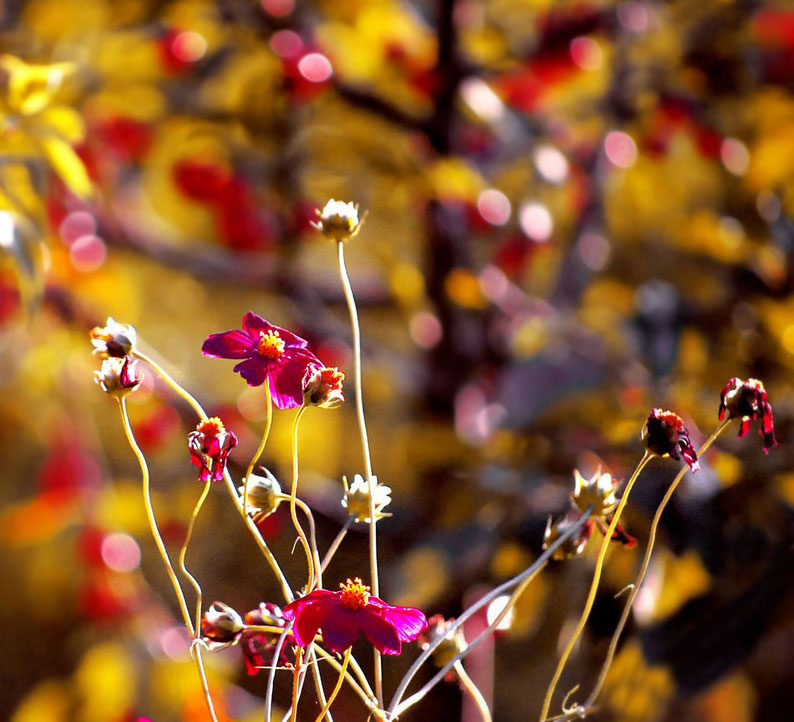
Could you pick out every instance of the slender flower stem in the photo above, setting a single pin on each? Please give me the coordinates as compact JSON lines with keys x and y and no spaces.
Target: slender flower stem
{"x":158,"y":540}
{"x":230,"y":488}
{"x":318,"y":685}
{"x":644,"y":567}
{"x":183,"y":554}
{"x":271,"y":678}
{"x":468,"y":684}
{"x":296,"y":675}
{"x":362,"y":426}
{"x":329,"y":555}
{"x":293,"y":501}
{"x":147,"y":501}
{"x":524,"y":578}
{"x":262,"y":443}
{"x":361,"y":688}
{"x":318,"y":574}
{"x":593,"y":586}
{"x":336,"y":688}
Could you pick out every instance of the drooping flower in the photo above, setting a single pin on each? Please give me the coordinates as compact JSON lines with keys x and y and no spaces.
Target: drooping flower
{"x":221,"y":626}
{"x":356,"y":498}
{"x":118,"y":376}
{"x":664,"y":434}
{"x":209,"y":446}
{"x":258,"y":647}
{"x":574,"y":545}
{"x":748,"y":401}
{"x":452,"y":641}
{"x":269,"y":354}
{"x":344,"y":614}
{"x":264,"y":494}
{"x":113,"y":339}
{"x":322,"y":386}
{"x":339,"y":221}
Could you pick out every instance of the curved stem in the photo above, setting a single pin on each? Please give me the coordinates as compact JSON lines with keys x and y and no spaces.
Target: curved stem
{"x":183,"y":554}
{"x":296,"y":675}
{"x":230,"y":488}
{"x":362,"y":690}
{"x":329,"y":555}
{"x":318,"y":574}
{"x":644,"y":567}
{"x":293,"y":501}
{"x":362,"y":426}
{"x":395,"y":708}
{"x":262,"y":444}
{"x":158,"y":540}
{"x":337,"y":688}
{"x":602,"y":552}
{"x":147,"y":501}
{"x":468,"y":684}
{"x":271,"y":678}
{"x":318,"y":685}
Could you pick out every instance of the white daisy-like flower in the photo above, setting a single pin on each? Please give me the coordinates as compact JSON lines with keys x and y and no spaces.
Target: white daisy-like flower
{"x":113,"y":339}
{"x":356,"y":499}
{"x":338,"y":220}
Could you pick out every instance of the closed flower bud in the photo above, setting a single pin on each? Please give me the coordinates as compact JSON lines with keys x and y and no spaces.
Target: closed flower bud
{"x":323,"y":387}
{"x":118,"y":376}
{"x":598,"y":490}
{"x":356,"y":499}
{"x":113,"y":339}
{"x":221,"y":625}
{"x":338,"y":220}
{"x":264,"y":494}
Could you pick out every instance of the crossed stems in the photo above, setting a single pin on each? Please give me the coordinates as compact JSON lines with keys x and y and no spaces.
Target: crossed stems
{"x":577,"y":710}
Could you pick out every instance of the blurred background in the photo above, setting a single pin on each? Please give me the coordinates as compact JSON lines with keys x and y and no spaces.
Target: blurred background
{"x":577,"y":211}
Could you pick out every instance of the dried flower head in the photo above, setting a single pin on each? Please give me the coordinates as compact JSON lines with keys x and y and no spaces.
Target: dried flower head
{"x":748,"y":401}
{"x":599,"y":490}
{"x":258,"y":646}
{"x":338,"y":220}
{"x":269,"y":354}
{"x":264,"y":494}
{"x":221,"y":626}
{"x":343,"y":615}
{"x":574,"y":545}
{"x":322,"y":386}
{"x":356,"y":499}
{"x":664,"y":434}
{"x":452,"y":644}
{"x":118,"y":376}
{"x":113,"y":339}
{"x":209,"y":447}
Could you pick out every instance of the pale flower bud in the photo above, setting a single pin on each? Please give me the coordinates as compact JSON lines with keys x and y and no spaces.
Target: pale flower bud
{"x":264,"y":494}
{"x":118,"y":376}
{"x":113,"y":339}
{"x":356,"y":499}
{"x":338,"y":220}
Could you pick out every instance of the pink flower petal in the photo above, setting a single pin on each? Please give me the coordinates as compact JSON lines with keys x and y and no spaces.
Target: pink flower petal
{"x":253,"y":370}
{"x":409,"y":623}
{"x":341,"y":629}
{"x":229,"y":344}
{"x":253,"y":324}
{"x":384,"y":637}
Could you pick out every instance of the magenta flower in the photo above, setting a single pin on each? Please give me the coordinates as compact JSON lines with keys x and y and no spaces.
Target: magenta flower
{"x":209,"y":446}
{"x":344,"y":614}
{"x":267,"y":353}
{"x":748,"y":401}
{"x":664,"y":434}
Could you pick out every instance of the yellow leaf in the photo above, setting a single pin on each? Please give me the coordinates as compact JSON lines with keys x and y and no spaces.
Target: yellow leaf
{"x":67,"y":164}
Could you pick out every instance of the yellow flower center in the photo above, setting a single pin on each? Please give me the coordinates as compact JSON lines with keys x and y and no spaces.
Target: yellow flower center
{"x":270,"y":345}
{"x":354,"y":594}
{"x":211,"y":427}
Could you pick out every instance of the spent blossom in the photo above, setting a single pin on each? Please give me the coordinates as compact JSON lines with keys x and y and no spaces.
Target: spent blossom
{"x":664,"y":434}
{"x":264,"y":494}
{"x":113,"y":339}
{"x":338,"y":221}
{"x":322,"y":386}
{"x":599,"y":490}
{"x":748,"y":401}
{"x":259,"y":646}
{"x":118,"y":376}
{"x":452,"y":641}
{"x":267,"y":353}
{"x":209,"y":447}
{"x":356,"y":498}
{"x":343,"y":615}
{"x":221,"y":626}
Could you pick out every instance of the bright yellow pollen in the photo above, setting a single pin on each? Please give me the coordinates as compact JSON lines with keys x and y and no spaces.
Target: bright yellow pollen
{"x":354,"y":594}
{"x":213,"y":426}
{"x":270,"y":345}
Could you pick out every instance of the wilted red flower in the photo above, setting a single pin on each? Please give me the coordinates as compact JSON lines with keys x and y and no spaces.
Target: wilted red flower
{"x":748,"y":401}
{"x":269,"y":354}
{"x":664,"y":434}
{"x":322,"y":386}
{"x":259,"y":647}
{"x":209,"y":446}
{"x":344,"y":614}
{"x":221,"y":625}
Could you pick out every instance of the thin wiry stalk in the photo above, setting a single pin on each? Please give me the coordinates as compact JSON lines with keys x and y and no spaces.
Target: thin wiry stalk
{"x":362,"y":426}
{"x":183,"y":553}
{"x":293,"y":501}
{"x":602,"y":552}
{"x":336,"y":689}
{"x":329,"y":555}
{"x":473,"y":691}
{"x":262,"y":443}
